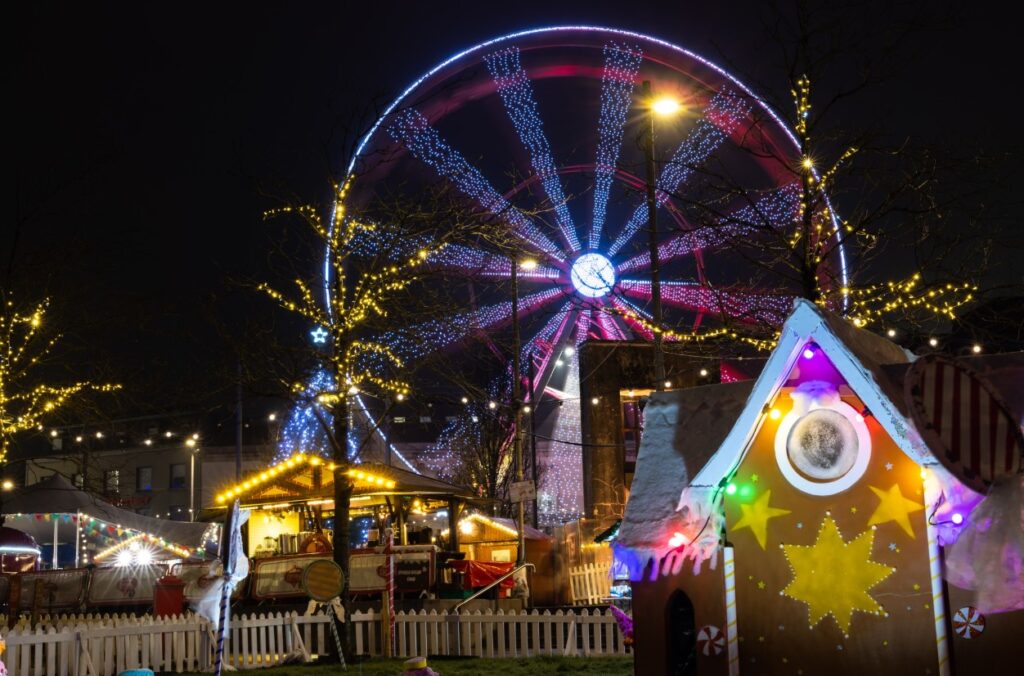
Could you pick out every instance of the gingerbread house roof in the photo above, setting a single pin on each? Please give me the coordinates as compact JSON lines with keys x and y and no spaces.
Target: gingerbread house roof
{"x":682,"y":429}
{"x":857,"y":354}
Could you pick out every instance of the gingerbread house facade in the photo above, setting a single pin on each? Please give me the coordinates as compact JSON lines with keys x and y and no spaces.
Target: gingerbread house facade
{"x":797,"y":523}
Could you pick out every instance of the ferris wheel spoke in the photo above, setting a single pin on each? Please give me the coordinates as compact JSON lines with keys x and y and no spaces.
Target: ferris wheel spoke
{"x":621,"y":65}
{"x":415,"y":341}
{"x":548,"y":335}
{"x":484,"y":264}
{"x":517,"y":94}
{"x":413,"y":130}
{"x":543,"y":348}
{"x":772,"y":212}
{"x":721,"y":117}
{"x":469,"y":260}
{"x":750,"y":306}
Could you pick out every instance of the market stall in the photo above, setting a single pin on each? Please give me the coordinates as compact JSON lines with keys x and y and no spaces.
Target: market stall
{"x":74,"y":528}
{"x":293,"y":522}
{"x":293,"y":503}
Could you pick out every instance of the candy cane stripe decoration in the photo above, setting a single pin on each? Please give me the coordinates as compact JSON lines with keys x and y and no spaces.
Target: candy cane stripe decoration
{"x":710,"y":641}
{"x":964,"y":421}
{"x":968,"y":623}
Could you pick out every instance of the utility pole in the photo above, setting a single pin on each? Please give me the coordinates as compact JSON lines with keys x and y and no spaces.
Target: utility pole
{"x":652,"y":222}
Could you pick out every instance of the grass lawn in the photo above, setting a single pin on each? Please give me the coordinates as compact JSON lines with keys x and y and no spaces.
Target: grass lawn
{"x":469,"y":666}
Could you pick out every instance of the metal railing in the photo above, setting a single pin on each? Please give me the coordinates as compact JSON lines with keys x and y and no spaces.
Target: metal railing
{"x":454,"y":618}
{"x":492,"y":585}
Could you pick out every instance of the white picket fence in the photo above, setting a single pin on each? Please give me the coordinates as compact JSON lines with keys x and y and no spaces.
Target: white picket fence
{"x":495,"y":634}
{"x":102,"y":645}
{"x":590,"y":584}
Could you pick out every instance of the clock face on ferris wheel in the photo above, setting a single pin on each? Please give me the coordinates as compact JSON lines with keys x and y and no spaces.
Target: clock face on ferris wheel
{"x":544,"y":128}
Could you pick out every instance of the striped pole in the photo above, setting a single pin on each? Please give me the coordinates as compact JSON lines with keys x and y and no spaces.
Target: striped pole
{"x":938,"y":596}
{"x":389,"y":592}
{"x":730,"y":611}
{"x":334,"y":631}
{"x":222,"y":626}
{"x":231,"y":540}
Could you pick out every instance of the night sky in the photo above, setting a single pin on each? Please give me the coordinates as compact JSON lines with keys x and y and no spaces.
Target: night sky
{"x":143,"y":134}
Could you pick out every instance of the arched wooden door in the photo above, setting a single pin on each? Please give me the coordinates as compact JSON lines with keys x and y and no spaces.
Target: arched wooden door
{"x":680,"y":635}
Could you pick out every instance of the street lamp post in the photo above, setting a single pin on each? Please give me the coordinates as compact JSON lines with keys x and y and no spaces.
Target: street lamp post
{"x":517,"y":445}
{"x":652,"y":222}
{"x":534,"y":402}
{"x":191,"y":444}
{"x":517,"y":403}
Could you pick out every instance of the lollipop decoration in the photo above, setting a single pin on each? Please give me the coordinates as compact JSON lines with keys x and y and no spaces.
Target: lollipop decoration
{"x":710,"y":641}
{"x":968,"y":623}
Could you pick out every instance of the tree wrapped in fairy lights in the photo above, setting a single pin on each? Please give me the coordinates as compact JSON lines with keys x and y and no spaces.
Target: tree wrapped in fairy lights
{"x":882,"y":231}
{"x":375,"y":268}
{"x":26,"y":346}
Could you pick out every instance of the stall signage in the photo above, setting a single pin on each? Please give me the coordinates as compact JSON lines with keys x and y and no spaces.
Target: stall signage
{"x":522,"y":491}
{"x":124,"y":585}
{"x":414,"y":569}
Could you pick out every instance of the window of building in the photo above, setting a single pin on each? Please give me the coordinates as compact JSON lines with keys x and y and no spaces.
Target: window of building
{"x":178,"y":477}
{"x":144,"y":479}
{"x":399,"y":419}
{"x":112,"y":481}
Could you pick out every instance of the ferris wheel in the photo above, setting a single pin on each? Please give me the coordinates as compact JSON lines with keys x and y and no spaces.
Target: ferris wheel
{"x":541,"y":127}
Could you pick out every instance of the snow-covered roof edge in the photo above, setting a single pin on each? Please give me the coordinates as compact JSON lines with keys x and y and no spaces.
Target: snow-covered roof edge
{"x":857,"y":354}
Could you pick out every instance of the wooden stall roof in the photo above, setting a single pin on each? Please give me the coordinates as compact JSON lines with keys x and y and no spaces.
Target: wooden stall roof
{"x":480,"y":529}
{"x":308,"y":478}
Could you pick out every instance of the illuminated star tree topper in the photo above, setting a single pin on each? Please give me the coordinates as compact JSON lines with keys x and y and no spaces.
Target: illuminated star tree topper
{"x":355,"y":361}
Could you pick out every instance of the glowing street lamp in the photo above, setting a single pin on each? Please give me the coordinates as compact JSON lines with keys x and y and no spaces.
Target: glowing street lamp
{"x":666,"y":106}
{"x":663,"y":107}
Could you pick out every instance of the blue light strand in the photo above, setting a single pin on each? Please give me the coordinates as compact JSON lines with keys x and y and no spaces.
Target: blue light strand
{"x":303,"y":433}
{"x":443,"y":457}
{"x":771,"y":213}
{"x":559,"y":493}
{"x":517,"y":94}
{"x":721,"y":117}
{"x":621,"y":65}
{"x":413,"y":130}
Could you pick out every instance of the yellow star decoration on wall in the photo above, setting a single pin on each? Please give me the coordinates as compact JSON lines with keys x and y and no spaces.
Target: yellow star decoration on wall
{"x":893,"y":506}
{"x":833,"y":577}
{"x":755,"y":517}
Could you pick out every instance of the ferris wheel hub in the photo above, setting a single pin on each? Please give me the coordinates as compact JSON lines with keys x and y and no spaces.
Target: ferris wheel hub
{"x":593,"y":275}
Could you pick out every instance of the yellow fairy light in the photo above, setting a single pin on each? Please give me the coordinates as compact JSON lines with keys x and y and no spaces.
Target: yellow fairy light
{"x":24,"y":406}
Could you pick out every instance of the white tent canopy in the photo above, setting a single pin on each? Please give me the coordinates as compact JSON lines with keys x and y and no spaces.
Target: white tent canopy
{"x":56,"y":495}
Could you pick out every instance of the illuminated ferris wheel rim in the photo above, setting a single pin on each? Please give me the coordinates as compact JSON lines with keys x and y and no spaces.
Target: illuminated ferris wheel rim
{"x":386,"y":114}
